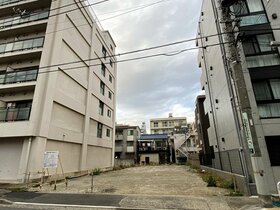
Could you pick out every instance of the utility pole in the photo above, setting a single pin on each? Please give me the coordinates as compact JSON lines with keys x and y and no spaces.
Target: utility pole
{"x":261,"y":173}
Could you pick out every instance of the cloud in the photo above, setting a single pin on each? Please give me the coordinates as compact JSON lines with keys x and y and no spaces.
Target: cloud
{"x":156,"y":86}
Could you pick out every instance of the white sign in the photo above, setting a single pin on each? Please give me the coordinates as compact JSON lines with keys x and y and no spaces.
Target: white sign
{"x":248,"y":132}
{"x":50,"y":159}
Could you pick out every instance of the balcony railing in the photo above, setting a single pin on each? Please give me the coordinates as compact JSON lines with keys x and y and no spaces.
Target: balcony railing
{"x":11,"y":114}
{"x":5,"y":2}
{"x":18,"y":20}
{"x":18,"y":77}
{"x":22,"y":45}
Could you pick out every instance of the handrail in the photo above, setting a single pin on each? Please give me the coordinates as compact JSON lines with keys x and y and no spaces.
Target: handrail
{"x":11,"y":114}
{"x":19,"y":76}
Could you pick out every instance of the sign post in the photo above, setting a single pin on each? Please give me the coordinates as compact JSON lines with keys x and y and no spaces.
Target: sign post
{"x":50,"y":161}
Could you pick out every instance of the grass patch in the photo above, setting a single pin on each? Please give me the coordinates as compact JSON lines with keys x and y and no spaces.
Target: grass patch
{"x":95,"y":172}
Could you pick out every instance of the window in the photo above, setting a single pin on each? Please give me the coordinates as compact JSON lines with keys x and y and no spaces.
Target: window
{"x":247,"y":7}
{"x":267,"y":94}
{"x":111,"y":47}
{"x":109,"y":113}
{"x":102,"y":88}
{"x":108,"y":132}
{"x":258,"y":51}
{"x":273,"y":145}
{"x":101,"y":107}
{"x":156,"y":124}
{"x":130,"y":143}
{"x":111,"y":63}
{"x":164,"y":124}
{"x":103,"y":69}
{"x":130,"y":132}
{"x":104,"y":52}
{"x":99,"y":130}
{"x":257,"y":44}
{"x":251,"y":12}
{"x":110,"y":78}
{"x":109,"y":94}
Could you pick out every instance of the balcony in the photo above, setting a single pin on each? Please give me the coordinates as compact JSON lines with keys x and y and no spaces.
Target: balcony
{"x":21,"y":45}
{"x":19,"y":76}
{"x":118,"y":149}
{"x":19,"y":20}
{"x":119,"y":137}
{"x":12,"y":114}
{"x":129,"y":149}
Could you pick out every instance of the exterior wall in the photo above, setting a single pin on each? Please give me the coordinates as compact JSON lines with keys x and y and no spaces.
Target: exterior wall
{"x":153,"y":158}
{"x":65,"y":102}
{"x":224,"y":132}
{"x":218,"y":107}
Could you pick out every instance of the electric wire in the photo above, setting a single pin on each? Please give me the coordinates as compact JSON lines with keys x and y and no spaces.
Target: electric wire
{"x":169,"y":54}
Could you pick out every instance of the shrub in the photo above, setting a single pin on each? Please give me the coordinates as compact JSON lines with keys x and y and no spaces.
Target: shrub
{"x":211,"y":182}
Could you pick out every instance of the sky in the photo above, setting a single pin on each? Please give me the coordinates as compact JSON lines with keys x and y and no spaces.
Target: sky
{"x":153,"y":87}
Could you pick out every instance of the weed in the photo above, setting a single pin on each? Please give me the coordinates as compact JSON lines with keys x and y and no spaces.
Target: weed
{"x":211,"y":182}
{"x":96,"y":171}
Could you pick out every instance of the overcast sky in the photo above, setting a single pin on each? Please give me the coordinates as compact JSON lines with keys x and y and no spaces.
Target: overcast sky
{"x":154,"y":87}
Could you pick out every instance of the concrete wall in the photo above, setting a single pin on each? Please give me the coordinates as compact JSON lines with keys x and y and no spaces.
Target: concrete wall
{"x":154,"y":158}
{"x":10,"y":154}
{"x":239,"y":180}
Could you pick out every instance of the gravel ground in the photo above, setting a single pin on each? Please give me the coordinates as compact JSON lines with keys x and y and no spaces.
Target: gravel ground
{"x":171,"y":180}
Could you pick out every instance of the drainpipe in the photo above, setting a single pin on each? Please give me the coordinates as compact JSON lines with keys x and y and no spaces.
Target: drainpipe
{"x":27,"y":159}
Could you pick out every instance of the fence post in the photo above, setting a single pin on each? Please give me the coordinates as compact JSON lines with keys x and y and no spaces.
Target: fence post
{"x":229,"y":161}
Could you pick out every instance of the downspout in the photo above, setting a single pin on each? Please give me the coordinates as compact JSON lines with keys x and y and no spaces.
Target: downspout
{"x":27,"y":159}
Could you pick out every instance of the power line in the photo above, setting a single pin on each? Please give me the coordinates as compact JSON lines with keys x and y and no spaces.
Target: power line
{"x":133,"y":10}
{"x":169,"y":54}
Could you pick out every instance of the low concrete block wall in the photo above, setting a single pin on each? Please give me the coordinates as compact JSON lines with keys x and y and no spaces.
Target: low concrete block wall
{"x":239,"y":179}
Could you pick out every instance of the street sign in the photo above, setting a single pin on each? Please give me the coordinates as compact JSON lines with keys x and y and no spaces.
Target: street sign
{"x":51,"y":159}
{"x":248,"y":132}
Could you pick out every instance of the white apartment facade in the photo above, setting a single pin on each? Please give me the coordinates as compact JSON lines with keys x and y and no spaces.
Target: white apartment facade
{"x":233,"y":150}
{"x":167,"y":125}
{"x":57,"y":88}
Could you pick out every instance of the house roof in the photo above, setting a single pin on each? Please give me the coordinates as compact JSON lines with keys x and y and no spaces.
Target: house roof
{"x":153,"y":136}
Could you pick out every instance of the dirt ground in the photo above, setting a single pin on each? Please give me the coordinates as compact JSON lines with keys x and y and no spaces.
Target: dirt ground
{"x":171,"y":180}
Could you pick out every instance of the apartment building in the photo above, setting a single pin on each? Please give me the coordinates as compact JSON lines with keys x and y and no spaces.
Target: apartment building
{"x":126,"y":144}
{"x":242,"y":107}
{"x":153,"y":149}
{"x":57,"y":88}
{"x":167,"y":125}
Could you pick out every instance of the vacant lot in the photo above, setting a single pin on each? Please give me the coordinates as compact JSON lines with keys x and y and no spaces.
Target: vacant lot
{"x":157,"y":187}
{"x":146,"y":180}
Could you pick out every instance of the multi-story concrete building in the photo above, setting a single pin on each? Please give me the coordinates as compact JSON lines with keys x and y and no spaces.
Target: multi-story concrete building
{"x":242,"y":91}
{"x":57,"y":88}
{"x":126,"y":143}
{"x":167,"y":125}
